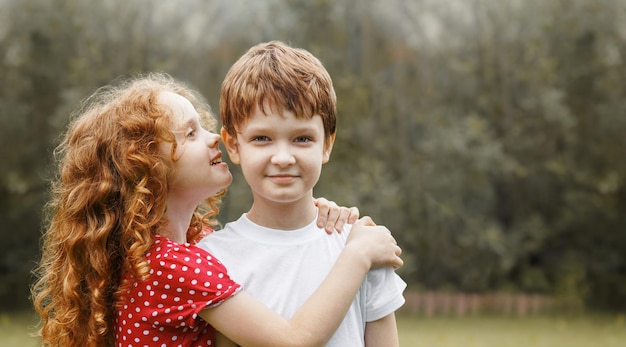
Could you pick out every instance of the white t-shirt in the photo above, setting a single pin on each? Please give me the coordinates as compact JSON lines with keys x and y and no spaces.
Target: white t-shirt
{"x":283,"y":268}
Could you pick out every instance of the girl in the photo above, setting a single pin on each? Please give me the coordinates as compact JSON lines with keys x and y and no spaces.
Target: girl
{"x":119,"y":262}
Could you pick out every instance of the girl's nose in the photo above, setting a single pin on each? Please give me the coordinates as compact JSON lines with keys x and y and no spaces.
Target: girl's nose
{"x":213,"y":139}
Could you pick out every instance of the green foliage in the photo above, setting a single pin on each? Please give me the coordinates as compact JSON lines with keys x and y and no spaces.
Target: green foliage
{"x":487,"y":135}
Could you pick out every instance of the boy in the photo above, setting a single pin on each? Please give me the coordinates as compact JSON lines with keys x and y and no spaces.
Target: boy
{"x":278,"y":110}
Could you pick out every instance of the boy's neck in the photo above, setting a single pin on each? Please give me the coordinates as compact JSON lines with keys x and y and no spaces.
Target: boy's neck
{"x":283,"y":216}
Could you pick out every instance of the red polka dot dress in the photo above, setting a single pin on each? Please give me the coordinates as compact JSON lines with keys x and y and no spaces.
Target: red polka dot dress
{"x":162,"y":310}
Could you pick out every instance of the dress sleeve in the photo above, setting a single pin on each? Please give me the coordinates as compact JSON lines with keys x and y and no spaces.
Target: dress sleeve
{"x":185,"y":280}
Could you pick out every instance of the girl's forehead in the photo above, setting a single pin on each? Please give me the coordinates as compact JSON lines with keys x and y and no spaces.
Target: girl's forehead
{"x":182,"y":111}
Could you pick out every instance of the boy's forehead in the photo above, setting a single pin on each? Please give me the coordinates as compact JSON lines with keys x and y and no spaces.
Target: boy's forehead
{"x":269,"y":108}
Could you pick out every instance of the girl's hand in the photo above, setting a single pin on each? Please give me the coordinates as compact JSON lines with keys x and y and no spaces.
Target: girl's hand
{"x":333,"y":217}
{"x":376,"y":243}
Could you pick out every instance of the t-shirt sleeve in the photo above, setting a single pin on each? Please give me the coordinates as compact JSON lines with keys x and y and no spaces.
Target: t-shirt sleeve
{"x":186,"y":280}
{"x":384,"y":290}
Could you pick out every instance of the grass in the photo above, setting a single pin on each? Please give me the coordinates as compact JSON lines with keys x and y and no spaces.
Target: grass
{"x":16,"y":330}
{"x":485,"y":331}
{"x":488,"y":331}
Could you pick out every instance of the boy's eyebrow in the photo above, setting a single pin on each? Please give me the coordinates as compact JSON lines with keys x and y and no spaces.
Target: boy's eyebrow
{"x":269,"y":128}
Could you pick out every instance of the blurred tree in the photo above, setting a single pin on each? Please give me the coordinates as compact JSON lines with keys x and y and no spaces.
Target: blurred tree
{"x":486,"y":134}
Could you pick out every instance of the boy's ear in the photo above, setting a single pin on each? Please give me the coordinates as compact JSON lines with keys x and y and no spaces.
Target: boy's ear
{"x":231,"y":145}
{"x":328,"y":148}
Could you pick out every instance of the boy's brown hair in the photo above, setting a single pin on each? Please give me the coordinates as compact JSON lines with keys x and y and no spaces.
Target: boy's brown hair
{"x":283,"y":78}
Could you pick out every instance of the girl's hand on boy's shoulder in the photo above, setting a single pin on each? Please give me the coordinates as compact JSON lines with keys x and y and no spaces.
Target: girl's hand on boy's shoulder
{"x":333,"y":217}
{"x":376,"y":243}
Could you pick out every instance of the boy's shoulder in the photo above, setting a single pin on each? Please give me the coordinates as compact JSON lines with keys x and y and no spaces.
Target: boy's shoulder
{"x":243,"y":232}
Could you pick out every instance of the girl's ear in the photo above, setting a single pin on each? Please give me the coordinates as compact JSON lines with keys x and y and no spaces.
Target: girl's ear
{"x":328,"y":147}
{"x":232,"y":147}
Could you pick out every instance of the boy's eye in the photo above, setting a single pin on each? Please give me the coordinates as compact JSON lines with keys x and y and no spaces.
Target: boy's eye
{"x":303,"y":139}
{"x":260,"y":138}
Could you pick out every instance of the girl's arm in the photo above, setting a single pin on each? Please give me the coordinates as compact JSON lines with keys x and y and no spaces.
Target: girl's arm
{"x":248,"y":322}
{"x":333,"y":217}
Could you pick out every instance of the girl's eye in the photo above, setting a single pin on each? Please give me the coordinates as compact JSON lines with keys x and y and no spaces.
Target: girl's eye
{"x":191,"y":133}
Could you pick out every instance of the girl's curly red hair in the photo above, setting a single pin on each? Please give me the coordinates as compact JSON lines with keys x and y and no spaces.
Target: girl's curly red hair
{"x":108,"y":199}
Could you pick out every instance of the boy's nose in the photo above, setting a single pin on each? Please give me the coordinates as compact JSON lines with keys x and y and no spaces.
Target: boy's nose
{"x":283,"y":156}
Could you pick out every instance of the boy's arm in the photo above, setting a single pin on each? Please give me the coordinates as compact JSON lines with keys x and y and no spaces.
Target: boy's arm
{"x":382,"y":332}
{"x":317,"y":319}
